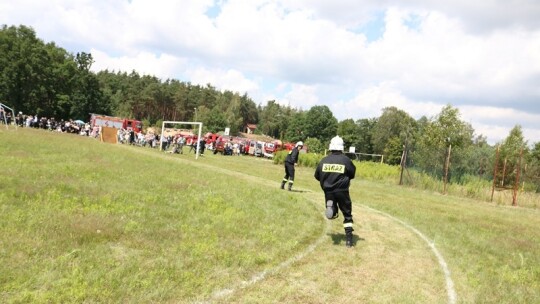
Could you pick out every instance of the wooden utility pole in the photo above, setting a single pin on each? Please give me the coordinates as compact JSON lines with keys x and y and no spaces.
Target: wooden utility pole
{"x":402,"y":166}
{"x":516,"y":185}
{"x":504,"y":172}
{"x":446,"y":166}
{"x":496,"y":168}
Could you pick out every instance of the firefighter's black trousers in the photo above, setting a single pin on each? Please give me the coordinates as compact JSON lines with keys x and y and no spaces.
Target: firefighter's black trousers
{"x":289,"y":172}
{"x":343,"y":200}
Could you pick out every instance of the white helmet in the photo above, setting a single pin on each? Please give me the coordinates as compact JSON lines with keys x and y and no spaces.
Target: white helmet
{"x":336,"y":144}
{"x":300,"y":143}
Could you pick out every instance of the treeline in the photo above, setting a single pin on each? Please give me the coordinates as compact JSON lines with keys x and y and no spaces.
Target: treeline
{"x":41,"y":78}
{"x":44,"y":79}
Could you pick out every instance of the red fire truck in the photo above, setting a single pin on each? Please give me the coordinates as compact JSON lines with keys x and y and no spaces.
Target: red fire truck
{"x":115,"y":122}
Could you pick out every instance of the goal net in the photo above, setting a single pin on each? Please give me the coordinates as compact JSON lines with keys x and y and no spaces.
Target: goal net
{"x":175,"y":127}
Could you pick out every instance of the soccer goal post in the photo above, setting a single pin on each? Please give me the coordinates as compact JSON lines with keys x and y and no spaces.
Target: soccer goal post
{"x":200,"y":124}
{"x":362,"y":156}
{"x":4,"y":116}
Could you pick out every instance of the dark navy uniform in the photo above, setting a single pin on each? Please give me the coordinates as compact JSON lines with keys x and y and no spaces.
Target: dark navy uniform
{"x":335,"y":172}
{"x":290,"y":161}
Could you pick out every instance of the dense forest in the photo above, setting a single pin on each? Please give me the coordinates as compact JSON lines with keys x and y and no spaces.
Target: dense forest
{"x":44,"y":79}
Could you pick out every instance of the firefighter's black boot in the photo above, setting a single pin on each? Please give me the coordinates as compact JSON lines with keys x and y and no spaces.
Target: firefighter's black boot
{"x":331,"y":210}
{"x":283,"y":184}
{"x":349,"y":237}
{"x":290,"y":186}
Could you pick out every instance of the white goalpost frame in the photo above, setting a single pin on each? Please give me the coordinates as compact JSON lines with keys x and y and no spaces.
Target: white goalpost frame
{"x":381,"y":155}
{"x":184,"y":123}
{"x":12,"y":113}
{"x":356,"y":154}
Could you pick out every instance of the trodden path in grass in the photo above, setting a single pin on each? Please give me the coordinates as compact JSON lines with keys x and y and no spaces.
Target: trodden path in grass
{"x":392,"y":261}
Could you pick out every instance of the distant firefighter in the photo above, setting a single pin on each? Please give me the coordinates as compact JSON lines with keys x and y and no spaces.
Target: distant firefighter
{"x":290,"y":162}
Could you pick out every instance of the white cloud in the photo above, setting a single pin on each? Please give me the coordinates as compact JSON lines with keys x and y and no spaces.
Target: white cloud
{"x":481,"y":57}
{"x":532,"y":135}
{"x":301,"y":96}
{"x":496,"y":123}
{"x":144,"y":63}
{"x":497,"y":134}
{"x":231,"y":80}
{"x":479,"y":16}
{"x":441,"y":61}
{"x":370,"y":102}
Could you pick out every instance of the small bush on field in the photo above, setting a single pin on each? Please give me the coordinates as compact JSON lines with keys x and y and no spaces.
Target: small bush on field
{"x":473,"y":186}
{"x":376,"y":171}
{"x":310,"y":159}
{"x":279,"y":157}
{"x":422,"y":180}
{"x":305,"y":159}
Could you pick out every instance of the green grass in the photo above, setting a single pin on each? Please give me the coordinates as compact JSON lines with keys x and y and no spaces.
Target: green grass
{"x":83,"y":221}
{"x":492,"y":251}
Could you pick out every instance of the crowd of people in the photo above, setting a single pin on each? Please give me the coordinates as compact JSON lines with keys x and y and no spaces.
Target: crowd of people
{"x":49,"y":123}
{"x":173,"y":143}
{"x":176,"y":143}
{"x":170,"y":144}
{"x":167,"y":143}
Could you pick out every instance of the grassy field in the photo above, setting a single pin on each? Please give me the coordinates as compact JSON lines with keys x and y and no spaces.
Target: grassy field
{"x":83,"y":221}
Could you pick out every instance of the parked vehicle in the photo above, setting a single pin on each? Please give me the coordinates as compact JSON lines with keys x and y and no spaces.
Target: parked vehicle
{"x":211,"y":138}
{"x":259,"y":149}
{"x":221,"y":145}
{"x":270,"y":148}
{"x":115,"y":122}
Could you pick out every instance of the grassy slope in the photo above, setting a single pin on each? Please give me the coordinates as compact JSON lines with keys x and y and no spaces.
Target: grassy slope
{"x":78,"y":224}
{"x":492,"y":251}
{"x":87,"y":221}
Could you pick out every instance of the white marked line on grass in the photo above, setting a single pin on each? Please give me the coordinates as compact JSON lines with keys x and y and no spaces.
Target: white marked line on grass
{"x":452,"y":296}
{"x":451,"y":292}
{"x":262,"y":275}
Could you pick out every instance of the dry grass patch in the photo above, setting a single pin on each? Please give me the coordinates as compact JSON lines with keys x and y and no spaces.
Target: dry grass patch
{"x":389,"y":264}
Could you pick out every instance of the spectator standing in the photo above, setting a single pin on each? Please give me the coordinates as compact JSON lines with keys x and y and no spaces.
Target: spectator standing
{"x":202,"y":145}
{"x":131,"y":137}
{"x":19,"y":119}
{"x":163,"y":140}
{"x":181,"y":142}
